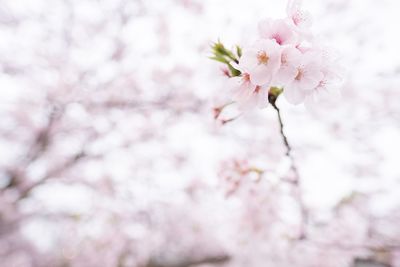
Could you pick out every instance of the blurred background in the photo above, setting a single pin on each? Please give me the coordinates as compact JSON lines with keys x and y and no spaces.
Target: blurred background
{"x":110,"y":154}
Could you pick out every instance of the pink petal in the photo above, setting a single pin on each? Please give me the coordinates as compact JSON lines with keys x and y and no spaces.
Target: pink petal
{"x":293,"y":95}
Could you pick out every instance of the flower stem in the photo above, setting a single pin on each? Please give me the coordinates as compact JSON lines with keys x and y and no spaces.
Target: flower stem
{"x":287,"y":146}
{"x":296,"y":176}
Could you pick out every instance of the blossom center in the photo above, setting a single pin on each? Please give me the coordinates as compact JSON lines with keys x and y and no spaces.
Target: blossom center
{"x":277,"y":38}
{"x":284,"y":59}
{"x":298,"y":18}
{"x":322,"y":84}
{"x":299,"y":75}
{"x":246,"y":77}
{"x":262,"y":57}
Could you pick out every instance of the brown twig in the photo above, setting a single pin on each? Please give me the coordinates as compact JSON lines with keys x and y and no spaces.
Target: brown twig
{"x":296,"y":176}
{"x":190,"y":262}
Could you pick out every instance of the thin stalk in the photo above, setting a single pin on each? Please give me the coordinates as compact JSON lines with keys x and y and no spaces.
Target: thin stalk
{"x":296,"y":176}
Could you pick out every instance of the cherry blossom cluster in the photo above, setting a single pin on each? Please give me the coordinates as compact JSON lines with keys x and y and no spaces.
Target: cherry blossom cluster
{"x":286,"y":57}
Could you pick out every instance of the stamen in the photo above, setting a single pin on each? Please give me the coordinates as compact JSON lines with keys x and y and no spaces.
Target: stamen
{"x":277,"y":38}
{"x":299,"y":75}
{"x":262,"y":57}
{"x":284,"y":59}
{"x":246,"y":77}
{"x":322,"y":84}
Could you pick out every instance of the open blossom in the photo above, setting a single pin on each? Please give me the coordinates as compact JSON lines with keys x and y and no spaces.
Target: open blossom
{"x":290,"y":59}
{"x":308,"y":76}
{"x":261,"y":61}
{"x":329,"y":84}
{"x":299,"y":17}
{"x":247,"y":94}
{"x":299,"y":20}
{"x":279,"y":30}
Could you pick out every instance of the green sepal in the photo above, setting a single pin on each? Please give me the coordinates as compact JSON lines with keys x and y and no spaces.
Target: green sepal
{"x":239,"y":51}
{"x":273,"y":94}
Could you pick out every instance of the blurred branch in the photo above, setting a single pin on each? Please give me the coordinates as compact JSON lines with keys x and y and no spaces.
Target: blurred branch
{"x":368,"y":263}
{"x":39,"y":146}
{"x":343,"y":246}
{"x":165,"y":103}
{"x":188,"y":262}
{"x":43,"y":137}
{"x":52,"y":173}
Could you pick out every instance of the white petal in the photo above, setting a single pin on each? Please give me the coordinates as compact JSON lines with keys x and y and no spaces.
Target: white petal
{"x":293,"y":95}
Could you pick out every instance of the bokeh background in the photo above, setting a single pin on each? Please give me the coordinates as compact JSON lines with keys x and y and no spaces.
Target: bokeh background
{"x":110,"y":154}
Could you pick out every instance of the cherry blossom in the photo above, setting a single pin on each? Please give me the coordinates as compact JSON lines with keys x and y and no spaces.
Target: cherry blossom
{"x":261,"y":61}
{"x":279,"y":30}
{"x":246,"y":93}
{"x":290,"y":58}
{"x":296,"y":15}
{"x":328,"y":87}
{"x":308,"y":75}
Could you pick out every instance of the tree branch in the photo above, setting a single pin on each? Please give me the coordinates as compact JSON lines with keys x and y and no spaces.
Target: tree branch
{"x":190,"y":262}
{"x":296,"y":176}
